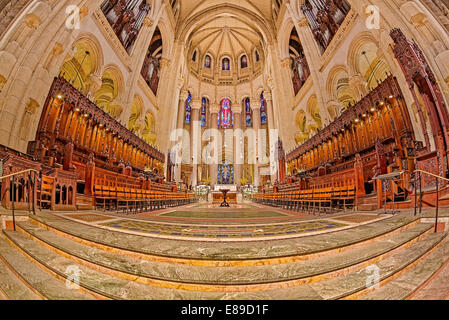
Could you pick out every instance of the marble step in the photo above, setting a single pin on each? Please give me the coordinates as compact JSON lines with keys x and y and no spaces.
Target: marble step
{"x":412,"y":281}
{"x":436,"y":289}
{"x":11,"y":287}
{"x":305,"y":270}
{"x":108,"y":286}
{"x":44,"y":284}
{"x":154,"y":248}
{"x":353,"y":285}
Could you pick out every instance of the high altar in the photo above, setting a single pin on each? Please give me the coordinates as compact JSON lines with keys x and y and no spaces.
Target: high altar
{"x":225,"y":182}
{"x":217,"y":195}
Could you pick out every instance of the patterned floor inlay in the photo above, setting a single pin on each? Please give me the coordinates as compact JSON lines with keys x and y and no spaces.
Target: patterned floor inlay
{"x":224,"y":214}
{"x":358,"y":218}
{"x":217,"y":206}
{"x":224,"y":232}
{"x":88,"y":217}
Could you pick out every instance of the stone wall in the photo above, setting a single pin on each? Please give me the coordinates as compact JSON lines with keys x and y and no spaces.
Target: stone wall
{"x":9,"y":9}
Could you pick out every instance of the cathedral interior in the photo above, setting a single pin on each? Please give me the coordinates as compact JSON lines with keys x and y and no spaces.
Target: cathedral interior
{"x":208,"y":150}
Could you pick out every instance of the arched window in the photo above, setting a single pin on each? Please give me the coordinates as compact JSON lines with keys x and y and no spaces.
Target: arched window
{"x":189,"y":109}
{"x":263,"y":110}
{"x":244,"y":62}
{"x":225,"y":116}
{"x":204,"y":107}
{"x":257,"y":56}
{"x":194,"y":56}
{"x":249,"y":119}
{"x":226,"y":64}
{"x":208,"y":62}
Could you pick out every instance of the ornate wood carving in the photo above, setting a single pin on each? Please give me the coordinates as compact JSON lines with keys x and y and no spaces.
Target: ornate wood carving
{"x":418,"y":74}
{"x":325,"y":17}
{"x":126,"y":18}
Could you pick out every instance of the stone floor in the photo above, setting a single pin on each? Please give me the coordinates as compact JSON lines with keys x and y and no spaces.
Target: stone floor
{"x":244,"y":252}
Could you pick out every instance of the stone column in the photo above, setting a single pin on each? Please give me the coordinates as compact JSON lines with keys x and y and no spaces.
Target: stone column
{"x":237,"y":161}
{"x":269,"y":99}
{"x":274,"y":165}
{"x":181,"y":109}
{"x":255,"y":106}
{"x":180,"y":125}
{"x":195,"y":136}
{"x":213,"y":168}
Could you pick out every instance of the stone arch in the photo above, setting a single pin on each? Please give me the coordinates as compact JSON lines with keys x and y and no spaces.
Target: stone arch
{"x":136,"y":122}
{"x":167,"y":38}
{"x":86,"y":59}
{"x":110,"y":92}
{"x":313,"y":110}
{"x":301,"y":134}
{"x":149,"y":130}
{"x":364,"y":60}
{"x":284,"y":37}
{"x":337,"y":86}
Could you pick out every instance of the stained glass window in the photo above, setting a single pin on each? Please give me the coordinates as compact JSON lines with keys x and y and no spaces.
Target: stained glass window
{"x":249,"y":120}
{"x":204,"y":105}
{"x":225,"y":174}
{"x":189,"y":109}
{"x":226,"y":64}
{"x":263,"y":110}
{"x":208,"y":62}
{"x":225,"y":116}
{"x":244,"y":62}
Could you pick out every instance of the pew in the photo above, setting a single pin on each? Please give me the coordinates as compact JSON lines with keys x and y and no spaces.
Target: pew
{"x":314,"y":200}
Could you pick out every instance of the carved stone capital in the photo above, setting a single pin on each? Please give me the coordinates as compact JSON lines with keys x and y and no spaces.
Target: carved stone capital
{"x":165,"y":62}
{"x":286,"y":63}
{"x":196,"y":104}
{"x":179,"y":82}
{"x":183,"y":95}
{"x":268,"y":95}
{"x":303,"y":22}
{"x":214,"y":108}
{"x":148,"y":22}
{"x":57,"y":49}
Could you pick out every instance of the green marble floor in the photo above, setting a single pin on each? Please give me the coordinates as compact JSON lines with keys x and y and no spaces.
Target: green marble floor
{"x":237,"y":214}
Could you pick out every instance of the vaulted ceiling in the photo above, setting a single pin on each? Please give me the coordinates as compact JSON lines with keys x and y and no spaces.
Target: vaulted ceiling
{"x":225,"y":35}
{"x":261,"y":8}
{"x":225,"y":28}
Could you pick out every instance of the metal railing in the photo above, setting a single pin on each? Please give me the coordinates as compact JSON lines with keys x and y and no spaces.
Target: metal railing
{"x":28,"y":185}
{"x":418,"y":174}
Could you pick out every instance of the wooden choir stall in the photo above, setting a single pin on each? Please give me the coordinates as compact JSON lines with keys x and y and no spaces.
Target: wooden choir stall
{"x":83,"y":147}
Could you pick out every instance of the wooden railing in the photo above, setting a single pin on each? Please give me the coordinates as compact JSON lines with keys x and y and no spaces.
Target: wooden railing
{"x":21,"y":189}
